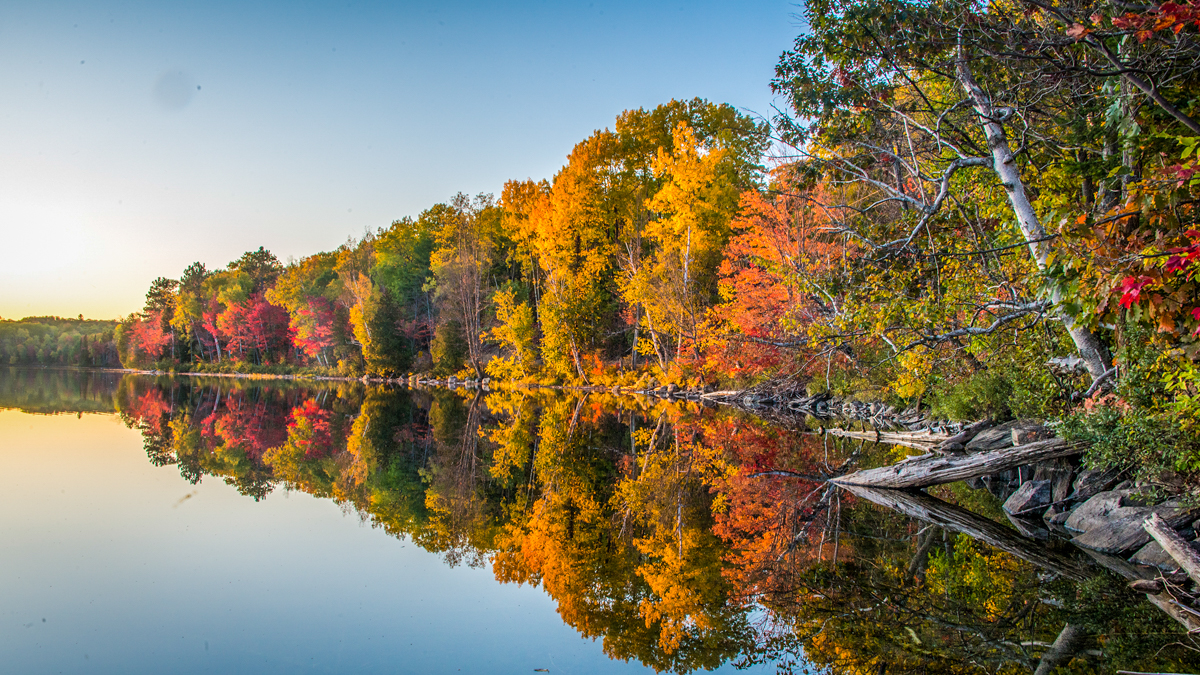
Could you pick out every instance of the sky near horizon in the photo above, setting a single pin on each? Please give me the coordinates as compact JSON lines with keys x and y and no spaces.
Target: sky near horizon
{"x":140,"y":137}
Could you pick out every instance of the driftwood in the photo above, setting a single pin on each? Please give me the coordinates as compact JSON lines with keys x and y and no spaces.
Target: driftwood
{"x":1068,"y":643}
{"x":958,"y":442}
{"x":1186,"y":616}
{"x":919,"y":440}
{"x":1180,"y":551}
{"x":925,"y":471}
{"x":931,"y":510}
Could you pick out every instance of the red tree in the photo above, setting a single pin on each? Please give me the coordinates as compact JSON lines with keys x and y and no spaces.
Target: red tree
{"x":313,"y":326}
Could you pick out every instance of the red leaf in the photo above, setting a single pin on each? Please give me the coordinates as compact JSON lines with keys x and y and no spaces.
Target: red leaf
{"x":1077,"y":31}
{"x":1131,"y":288}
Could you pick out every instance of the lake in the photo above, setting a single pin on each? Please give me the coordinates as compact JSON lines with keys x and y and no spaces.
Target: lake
{"x":196,"y":525}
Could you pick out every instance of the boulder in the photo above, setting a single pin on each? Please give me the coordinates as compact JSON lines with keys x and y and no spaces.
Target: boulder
{"x":1092,"y":513}
{"x":1030,"y":432}
{"x":1000,"y":485}
{"x":1093,"y":482}
{"x":1153,"y":555}
{"x":1034,"y":529}
{"x":1108,"y":525}
{"x":1031,"y":496}
{"x":990,"y":439}
{"x":1060,"y":486}
{"x":1056,"y":518}
{"x":1000,"y":436}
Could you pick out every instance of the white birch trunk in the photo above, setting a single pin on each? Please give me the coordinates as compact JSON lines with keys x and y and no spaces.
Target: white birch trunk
{"x":1005,"y":165}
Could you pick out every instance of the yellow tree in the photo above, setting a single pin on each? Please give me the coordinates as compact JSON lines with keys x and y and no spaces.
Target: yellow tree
{"x":668,"y":505}
{"x":518,"y":200}
{"x":677,"y":280}
{"x":574,"y":245}
{"x":516,"y":332}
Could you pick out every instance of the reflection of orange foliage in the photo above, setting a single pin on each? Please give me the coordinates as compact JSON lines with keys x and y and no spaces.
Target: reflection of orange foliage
{"x":542,"y":552}
{"x":775,"y":525}
{"x":358,"y":460}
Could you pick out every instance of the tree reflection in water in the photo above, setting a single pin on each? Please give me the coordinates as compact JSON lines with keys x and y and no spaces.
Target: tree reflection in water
{"x":682,"y":537}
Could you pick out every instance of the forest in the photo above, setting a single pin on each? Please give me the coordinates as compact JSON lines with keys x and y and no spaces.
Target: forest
{"x":987,"y":210}
{"x":55,"y":341}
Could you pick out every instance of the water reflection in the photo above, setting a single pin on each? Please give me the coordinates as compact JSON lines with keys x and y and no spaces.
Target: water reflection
{"x":684,"y":538}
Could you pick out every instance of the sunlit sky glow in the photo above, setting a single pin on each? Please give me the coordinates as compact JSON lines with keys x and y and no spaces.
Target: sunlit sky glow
{"x":140,"y":137}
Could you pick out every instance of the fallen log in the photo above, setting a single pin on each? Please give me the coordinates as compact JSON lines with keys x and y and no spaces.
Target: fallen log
{"x":918,"y":440}
{"x":1068,"y":643}
{"x":932,"y":510}
{"x":958,"y":442}
{"x":926,"y":471}
{"x":1186,"y":616}
{"x":1176,"y":546}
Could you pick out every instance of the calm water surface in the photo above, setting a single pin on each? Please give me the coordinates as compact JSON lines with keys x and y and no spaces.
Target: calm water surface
{"x":192,"y":526}
{"x":113,"y":564}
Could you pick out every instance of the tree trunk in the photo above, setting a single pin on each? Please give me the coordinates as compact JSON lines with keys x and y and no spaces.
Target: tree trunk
{"x":956,"y":519}
{"x":1180,"y":551}
{"x":918,"y":440}
{"x":920,"y":560}
{"x":1066,"y":646}
{"x":1004,"y":164}
{"x":637,"y":322}
{"x":925,"y":471}
{"x":578,"y":364}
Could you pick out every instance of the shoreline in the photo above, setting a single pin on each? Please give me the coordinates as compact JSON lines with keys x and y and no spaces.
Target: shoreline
{"x":772,"y":400}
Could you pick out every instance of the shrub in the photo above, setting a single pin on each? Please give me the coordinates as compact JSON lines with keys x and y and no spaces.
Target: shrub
{"x":1147,"y":424}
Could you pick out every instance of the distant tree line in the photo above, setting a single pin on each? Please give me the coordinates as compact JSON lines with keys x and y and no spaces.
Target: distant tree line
{"x":55,"y":341}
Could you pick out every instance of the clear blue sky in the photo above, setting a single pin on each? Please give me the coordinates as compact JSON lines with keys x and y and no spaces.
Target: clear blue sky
{"x":140,"y":137}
